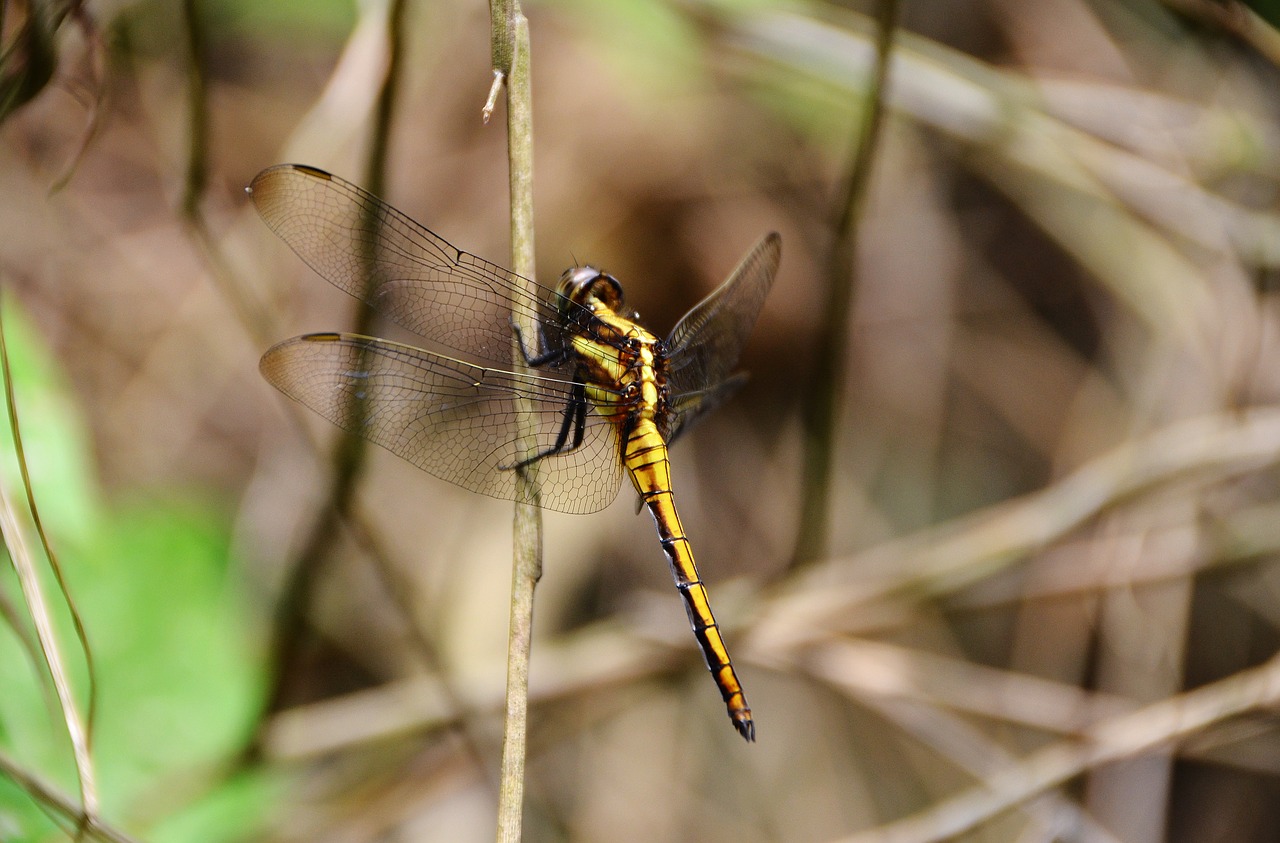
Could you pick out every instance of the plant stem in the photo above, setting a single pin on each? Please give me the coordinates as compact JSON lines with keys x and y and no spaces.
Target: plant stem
{"x":350,"y":453}
{"x":511,"y":61}
{"x":79,"y":730}
{"x":822,"y":411}
{"x":197,"y":173}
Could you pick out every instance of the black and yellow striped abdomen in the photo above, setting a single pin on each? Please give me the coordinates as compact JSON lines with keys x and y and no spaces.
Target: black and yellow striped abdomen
{"x":623,"y":369}
{"x":645,"y":457}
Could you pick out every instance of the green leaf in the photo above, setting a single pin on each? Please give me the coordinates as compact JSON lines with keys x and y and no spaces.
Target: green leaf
{"x":177,"y":650}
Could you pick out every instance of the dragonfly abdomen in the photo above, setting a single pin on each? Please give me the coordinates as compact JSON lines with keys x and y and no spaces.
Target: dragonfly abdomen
{"x":645,"y":456}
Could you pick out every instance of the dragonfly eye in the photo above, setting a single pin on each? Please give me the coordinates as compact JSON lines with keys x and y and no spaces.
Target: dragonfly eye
{"x":584,"y":283}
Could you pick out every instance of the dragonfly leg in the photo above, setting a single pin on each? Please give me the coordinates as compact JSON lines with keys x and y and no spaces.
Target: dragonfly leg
{"x":575,"y":418}
{"x":554,"y":355}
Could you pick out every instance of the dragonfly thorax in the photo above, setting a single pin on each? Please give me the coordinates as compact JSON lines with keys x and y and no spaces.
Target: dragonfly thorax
{"x":589,"y":287}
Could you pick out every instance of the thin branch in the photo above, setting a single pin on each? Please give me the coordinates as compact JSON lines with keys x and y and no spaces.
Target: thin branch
{"x":399,"y":590}
{"x":1056,"y":816}
{"x":1148,"y":729}
{"x":350,"y":454}
{"x":511,"y":62}
{"x":197,"y":175}
{"x":58,"y":802}
{"x":250,"y":312}
{"x":823,"y":605}
{"x":822,"y":410}
{"x":342,"y":513}
{"x":943,"y":559}
{"x":384,"y":109}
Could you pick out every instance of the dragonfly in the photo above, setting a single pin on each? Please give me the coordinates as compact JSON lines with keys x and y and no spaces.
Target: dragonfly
{"x":598,"y":396}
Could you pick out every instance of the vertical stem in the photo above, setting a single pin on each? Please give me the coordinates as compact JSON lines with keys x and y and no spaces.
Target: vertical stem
{"x":198,"y":104}
{"x":384,"y":110}
{"x":822,"y":410}
{"x":196,"y":177}
{"x":350,"y":453}
{"x":511,"y":62}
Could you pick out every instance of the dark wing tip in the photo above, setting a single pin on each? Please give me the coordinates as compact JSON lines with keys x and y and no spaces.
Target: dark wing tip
{"x":269,"y":173}
{"x":270,"y":358}
{"x":307,"y":169}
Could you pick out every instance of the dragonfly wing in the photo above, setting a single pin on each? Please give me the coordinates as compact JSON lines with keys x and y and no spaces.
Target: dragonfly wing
{"x":688,"y":407}
{"x":450,"y":418}
{"x":706,"y":343}
{"x":368,"y":249}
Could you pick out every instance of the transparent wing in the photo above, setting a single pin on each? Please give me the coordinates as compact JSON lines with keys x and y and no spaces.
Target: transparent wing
{"x":688,"y":407}
{"x":368,"y":249}
{"x":448,"y":417}
{"x":706,"y":343}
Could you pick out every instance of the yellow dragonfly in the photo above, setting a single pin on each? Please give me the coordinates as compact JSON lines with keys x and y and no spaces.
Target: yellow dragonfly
{"x":603,"y":396}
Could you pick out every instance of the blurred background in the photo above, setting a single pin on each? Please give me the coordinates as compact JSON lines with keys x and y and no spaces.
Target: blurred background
{"x":1027,"y":589}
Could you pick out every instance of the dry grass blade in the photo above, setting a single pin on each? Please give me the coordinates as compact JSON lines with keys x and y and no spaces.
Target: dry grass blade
{"x":944,"y":559}
{"x":1147,"y":729}
{"x":79,"y":730}
{"x":77,"y":621}
{"x":28,"y":577}
{"x":1054,"y":815}
{"x":60,"y":804}
{"x":1060,"y":174}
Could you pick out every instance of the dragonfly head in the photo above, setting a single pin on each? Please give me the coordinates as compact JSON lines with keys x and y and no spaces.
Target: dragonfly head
{"x":586,"y":285}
